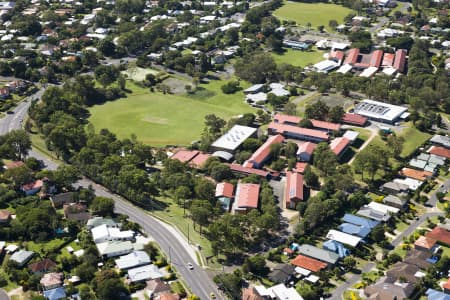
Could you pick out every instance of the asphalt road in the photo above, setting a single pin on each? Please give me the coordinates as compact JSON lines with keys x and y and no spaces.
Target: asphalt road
{"x":197,"y":279}
{"x":432,"y":201}
{"x":339,"y":291}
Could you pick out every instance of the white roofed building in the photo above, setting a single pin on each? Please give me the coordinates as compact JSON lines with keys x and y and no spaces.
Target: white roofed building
{"x":343,"y":238}
{"x":231,"y":140}
{"x":380,"y":111}
{"x":104,"y":233}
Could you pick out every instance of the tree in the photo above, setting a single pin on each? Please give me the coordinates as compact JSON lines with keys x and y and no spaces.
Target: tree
{"x":305,"y":123}
{"x":112,"y":289}
{"x":290,"y":150}
{"x":395,"y":144}
{"x":231,"y":87}
{"x":318,"y":111}
{"x":311,"y":178}
{"x":200,"y":211}
{"x":255,"y":264}
{"x":256,"y":68}
{"x":349,"y":263}
{"x":103,"y":206}
{"x":324,"y":159}
{"x":290,"y":109}
{"x":377,"y":233}
{"x":335,"y":114}
{"x":220,"y":172}
{"x":15,"y":145}
{"x":333,"y":24}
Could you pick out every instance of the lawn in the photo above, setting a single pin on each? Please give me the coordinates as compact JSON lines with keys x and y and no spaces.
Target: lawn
{"x":138,"y":74}
{"x":413,"y":139}
{"x":159,"y":119}
{"x":314,"y":13}
{"x":298,"y":58}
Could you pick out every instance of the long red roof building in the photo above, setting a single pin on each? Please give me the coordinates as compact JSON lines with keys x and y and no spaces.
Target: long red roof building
{"x":354,"y":119}
{"x":263,"y":153}
{"x":375,"y":58}
{"x":352,"y":56}
{"x":294,"y":189}
{"x":400,"y":60}
{"x":247,"y":197}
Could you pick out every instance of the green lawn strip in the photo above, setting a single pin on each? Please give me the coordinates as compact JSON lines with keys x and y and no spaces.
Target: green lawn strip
{"x":299,"y":58}
{"x":159,"y":119}
{"x":314,"y":13}
{"x":173,"y":214}
{"x":351,"y":295}
{"x":445,"y":251}
{"x":413,"y":139}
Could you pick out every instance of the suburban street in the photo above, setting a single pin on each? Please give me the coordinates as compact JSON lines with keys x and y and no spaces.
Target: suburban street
{"x":173,"y":244}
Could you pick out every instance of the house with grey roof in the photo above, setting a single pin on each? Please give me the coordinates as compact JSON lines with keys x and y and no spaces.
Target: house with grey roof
{"x":373,"y":214}
{"x":441,"y":140}
{"x":98,"y":221}
{"x":21,"y":257}
{"x":395,"y":188}
{"x":144,"y":273}
{"x":394,"y":201}
{"x":132,"y":260}
{"x":114,"y":248}
{"x":319,"y":254}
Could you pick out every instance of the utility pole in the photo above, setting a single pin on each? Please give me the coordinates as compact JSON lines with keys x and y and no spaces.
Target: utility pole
{"x":188,"y":234}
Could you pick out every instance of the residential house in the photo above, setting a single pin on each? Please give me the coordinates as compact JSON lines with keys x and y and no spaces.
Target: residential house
{"x":446,"y":286}
{"x":441,"y":235}
{"x":76,"y":212}
{"x":395,"y":188}
{"x":52,"y":280}
{"x":403,"y":272}
{"x":418,"y":258}
{"x":60,"y":199}
{"x":247,"y":197}
{"x":5,"y":216}
{"x":363,"y":222}
{"x":281,"y":292}
{"x":436,"y":295}
{"x":168,"y":296}
{"x":309,"y":263}
{"x":387,"y":289}
{"x":104,"y":233}
{"x":425,"y":244}
{"x":260,"y":156}
{"x":42,"y":266}
{"x":294,"y":192}
{"x":144,"y":273}
{"x":132,"y":260}
{"x":225,"y":194}
{"x":368,"y":212}
{"x":13,"y":164}
{"x":251,"y":293}
{"x":439,"y":151}
{"x":395,"y":201}
{"x":32,"y":188}
{"x":336,"y":247}
{"x":98,"y":221}
{"x":282,"y":273}
{"x":386,"y":209}
{"x":156,"y":287}
{"x":343,"y":238}
{"x":4,"y":93}
{"x":305,"y":151}
{"x":319,"y":254}
{"x":441,"y":140}
{"x":21,"y":257}
{"x":55,"y":294}
{"x":361,"y":231}
{"x":114,"y":248}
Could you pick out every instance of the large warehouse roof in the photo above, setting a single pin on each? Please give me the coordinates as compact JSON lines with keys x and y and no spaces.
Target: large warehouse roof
{"x":234,"y":137}
{"x":379,"y":110}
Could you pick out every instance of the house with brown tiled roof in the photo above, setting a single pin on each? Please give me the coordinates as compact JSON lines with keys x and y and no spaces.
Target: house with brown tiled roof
{"x":168,"y":296}
{"x":59,"y":200}
{"x":156,"y":287}
{"x":309,"y":263}
{"x":251,"y":294}
{"x":424,"y":243}
{"x":439,"y":234}
{"x":439,"y":151}
{"x":76,"y":212}
{"x":387,"y":289}
{"x":416,"y":174}
{"x":52,"y":280}
{"x":418,"y":258}
{"x":13,"y":165}
{"x":446,"y":286}
{"x":403,"y":272}
{"x":42,"y":266}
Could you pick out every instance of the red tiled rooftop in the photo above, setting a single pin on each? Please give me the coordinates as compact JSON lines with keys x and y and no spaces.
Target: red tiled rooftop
{"x":400,"y":60}
{"x":375,"y":58}
{"x":4,"y":214}
{"x":33,"y":185}
{"x":337,"y":54}
{"x":294,"y":187}
{"x":300,"y":167}
{"x":352,"y":56}
{"x":224,"y":189}
{"x":264,"y":151}
{"x":354,"y":119}
{"x":199,"y":160}
{"x":307,"y":147}
{"x":185,"y":155}
{"x":439,"y":151}
{"x":440,"y":234}
{"x":247,"y":195}
{"x":388,"y":60}
{"x":14,"y":164}
{"x":425,"y":242}
{"x":43,"y":265}
{"x":311,"y":264}
{"x":339,"y":144}
{"x":294,"y":120}
{"x":416,"y":174}
{"x":446,"y":285}
{"x":283,"y":129}
{"x":242,"y":169}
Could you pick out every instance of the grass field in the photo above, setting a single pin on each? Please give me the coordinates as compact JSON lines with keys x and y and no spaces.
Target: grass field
{"x":298,"y":58}
{"x":159,"y":119}
{"x":138,"y":74}
{"x":314,"y":13}
{"x":413,"y":139}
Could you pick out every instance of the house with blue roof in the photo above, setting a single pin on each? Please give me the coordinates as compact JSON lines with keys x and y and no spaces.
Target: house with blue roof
{"x":436,"y":295}
{"x":336,"y":247}
{"x":55,"y":294}
{"x":361,"y":231}
{"x":360,"y":221}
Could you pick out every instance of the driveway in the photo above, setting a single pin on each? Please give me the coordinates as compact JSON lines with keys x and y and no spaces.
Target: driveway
{"x":4,"y":295}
